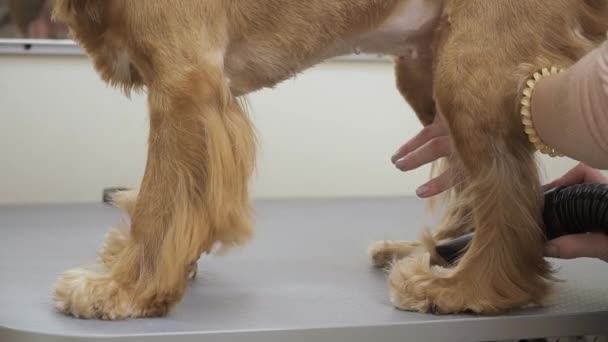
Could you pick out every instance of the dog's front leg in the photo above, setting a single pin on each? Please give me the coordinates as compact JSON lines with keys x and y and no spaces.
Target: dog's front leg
{"x":193,"y":194}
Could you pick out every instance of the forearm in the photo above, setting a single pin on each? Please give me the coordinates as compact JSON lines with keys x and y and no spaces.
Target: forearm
{"x":570,"y":110}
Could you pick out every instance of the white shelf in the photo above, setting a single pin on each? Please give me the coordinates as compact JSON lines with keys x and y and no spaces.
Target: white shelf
{"x":39,"y":47}
{"x":68,"y":47}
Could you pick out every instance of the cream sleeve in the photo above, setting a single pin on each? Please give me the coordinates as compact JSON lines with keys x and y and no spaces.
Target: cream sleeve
{"x":570,"y":110}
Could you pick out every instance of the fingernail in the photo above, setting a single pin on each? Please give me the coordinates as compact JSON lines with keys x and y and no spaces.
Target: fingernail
{"x":401,"y":163}
{"x":395,"y":157}
{"x":551,"y":250}
{"x":421,"y":191}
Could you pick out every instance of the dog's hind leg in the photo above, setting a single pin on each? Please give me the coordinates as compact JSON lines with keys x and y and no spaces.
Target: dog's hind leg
{"x":414,"y":78}
{"x":414,"y":82}
{"x":476,"y":91}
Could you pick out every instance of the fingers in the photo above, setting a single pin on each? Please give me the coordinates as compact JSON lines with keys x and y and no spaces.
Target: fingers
{"x":428,"y":133}
{"x":574,"y":176}
{"x":580,"y":174}
{"x":438,"y":184}
{"x":432,"y":150}
{"x":579,"y":246}
{"x":431,"y":144}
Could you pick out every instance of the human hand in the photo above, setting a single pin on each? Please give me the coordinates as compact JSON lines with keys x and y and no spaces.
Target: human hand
{"x":581,"y":174}
{"x":579,"y":245}
{"x":593,"y":245}
{"x":430,"y":144}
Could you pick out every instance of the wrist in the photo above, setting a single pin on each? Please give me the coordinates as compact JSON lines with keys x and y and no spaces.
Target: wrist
{"x":547,"y":106}
{"x":538,"y":105}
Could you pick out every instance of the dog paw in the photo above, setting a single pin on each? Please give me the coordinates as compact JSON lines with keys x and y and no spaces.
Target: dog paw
{"x":383,"y":253}
{"x":416,"y":286}
{"x":86,"y":294}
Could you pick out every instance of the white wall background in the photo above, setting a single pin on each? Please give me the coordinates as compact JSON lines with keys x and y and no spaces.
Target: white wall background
{"x":330,"y":132}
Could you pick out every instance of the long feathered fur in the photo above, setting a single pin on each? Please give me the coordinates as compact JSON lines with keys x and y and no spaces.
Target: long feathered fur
{"x":202,"y":145}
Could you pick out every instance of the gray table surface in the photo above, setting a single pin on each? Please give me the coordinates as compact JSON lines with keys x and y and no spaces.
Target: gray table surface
{"x":305,"y":277}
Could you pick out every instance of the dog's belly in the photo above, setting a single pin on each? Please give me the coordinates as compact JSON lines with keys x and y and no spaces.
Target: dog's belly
{"x":401,"y":34}
{"x":407,"y":31}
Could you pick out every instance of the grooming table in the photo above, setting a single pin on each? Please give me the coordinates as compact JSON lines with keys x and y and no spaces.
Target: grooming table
{"x":305,"y":278}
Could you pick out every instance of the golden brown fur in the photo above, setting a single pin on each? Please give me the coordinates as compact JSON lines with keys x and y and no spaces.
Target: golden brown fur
{"x":482,"y":48}
{"x":195,"y":57}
